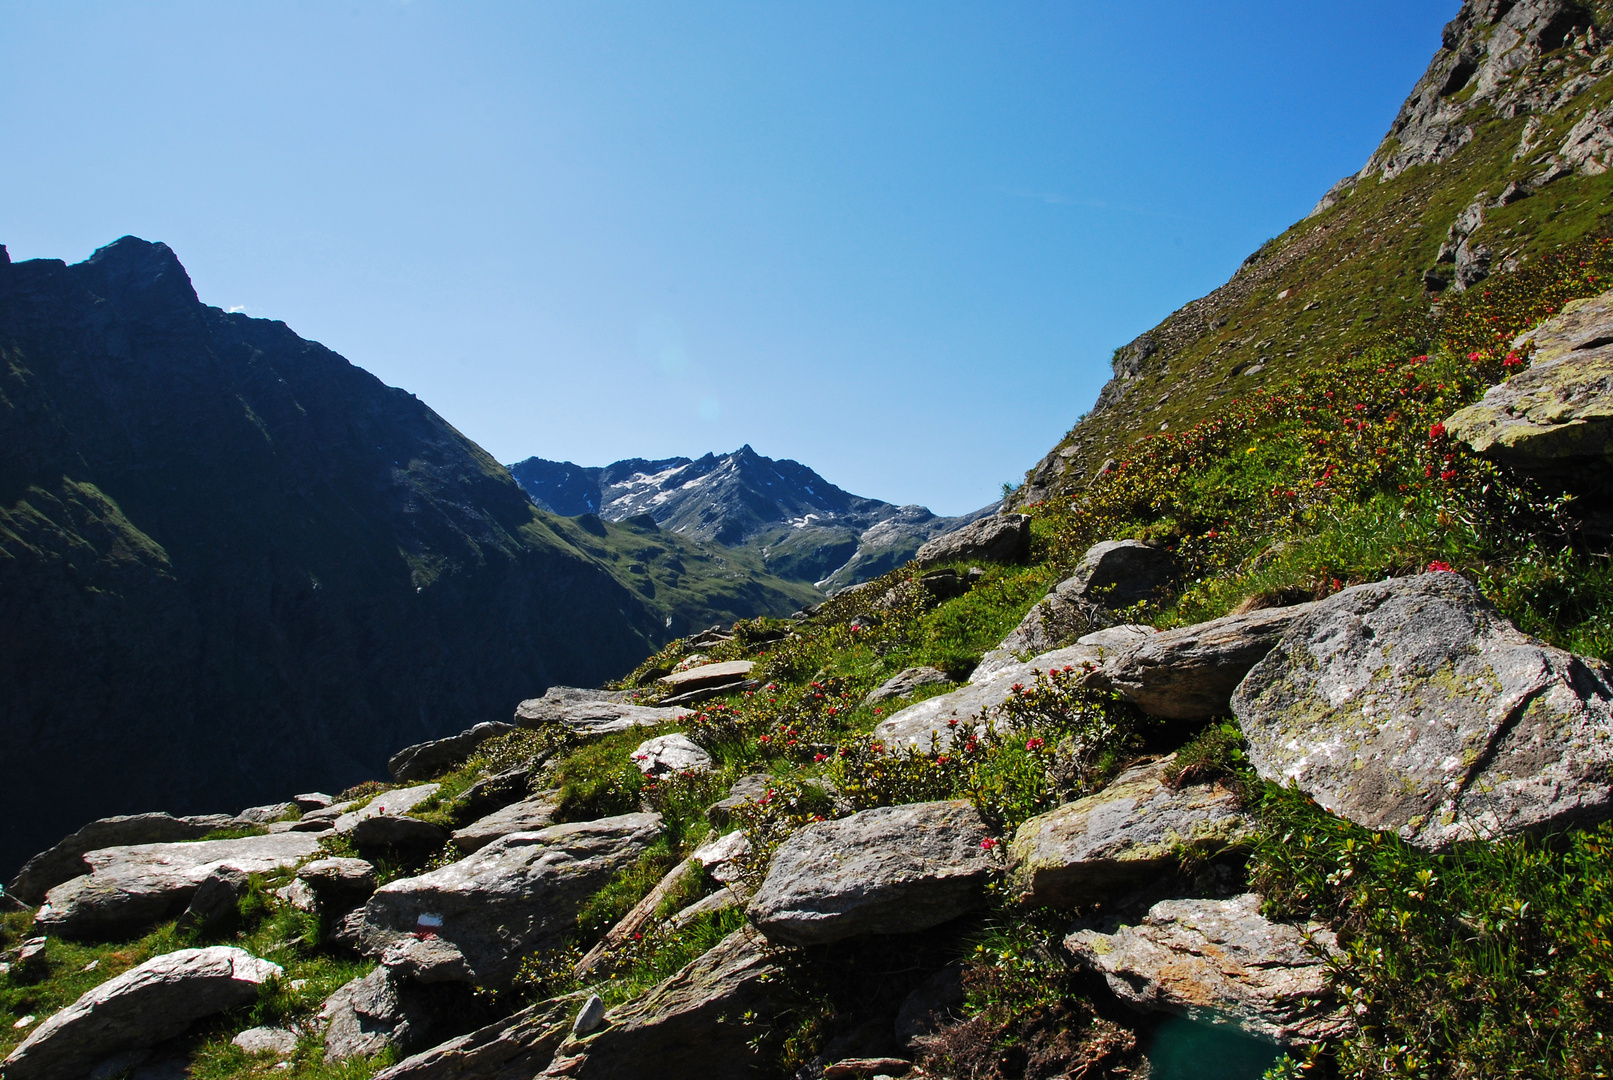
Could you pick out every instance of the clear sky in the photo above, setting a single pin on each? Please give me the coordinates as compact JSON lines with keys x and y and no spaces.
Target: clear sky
{"x":897,"y":242}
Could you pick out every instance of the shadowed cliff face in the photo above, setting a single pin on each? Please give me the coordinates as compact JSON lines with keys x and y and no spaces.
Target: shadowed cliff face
{"x":234,"y":565}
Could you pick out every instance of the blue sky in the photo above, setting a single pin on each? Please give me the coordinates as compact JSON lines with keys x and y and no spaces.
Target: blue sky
{"x":895,"y":241}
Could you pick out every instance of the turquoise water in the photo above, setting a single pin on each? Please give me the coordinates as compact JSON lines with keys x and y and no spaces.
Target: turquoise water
{"x":1183,"y":1050}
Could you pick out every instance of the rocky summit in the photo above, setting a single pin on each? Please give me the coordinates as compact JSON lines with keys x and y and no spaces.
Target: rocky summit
{"x":1267,"y":733}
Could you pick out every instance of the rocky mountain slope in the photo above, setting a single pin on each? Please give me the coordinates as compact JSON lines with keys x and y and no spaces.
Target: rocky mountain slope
{"x":1501,"y":154}
{"x":229,"y":558}
{"x":802,"y":527}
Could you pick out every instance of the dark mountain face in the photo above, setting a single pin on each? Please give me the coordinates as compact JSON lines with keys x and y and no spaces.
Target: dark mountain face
{"x":805,"y":528}
{"x":232,"y":564}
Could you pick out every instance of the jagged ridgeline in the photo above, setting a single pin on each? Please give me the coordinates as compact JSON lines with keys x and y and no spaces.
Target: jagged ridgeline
{"x":1500,"y":155}
{"x":231,"y":561}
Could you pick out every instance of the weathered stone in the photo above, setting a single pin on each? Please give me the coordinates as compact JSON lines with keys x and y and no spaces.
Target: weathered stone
{"x":65,"y":861}
{"x":263,"y":815}
{"x":1555,"y":417}
{"x":707,"y":675}
{"x":267,"y":1040}
{"x":724,"y":856}
{"x":859,"y":1068}
{"x":1410,"y":705}
{"x":943,"y":584}
{"x":339,"y":884}
{"x":517,"y":1047}
{"x":528,"y":815}
{"x":376,"y":1011}
{"x":890,"y":870}
{"x":748,"y":789}
{"x":1220,"y":962}
{"x":213,"y":903}
{"x":1123,"y":836}
{"x":999,"y":538}
{"x":1120,"y":573}
{"x":640,"y":916}
{"x":905,"y":682}
{"x":312,"y":800}
{"x":515,"y":896}
{"x":423,"y":761}
{"x":130,"y":888}
{"x":731,"y":896}
{"x":329,"y":814}
{"x":591,"y":712}
{"x":389,"y":803}
{"x":142,"y":1007}
{"x":702,"y":1023}
{"x":1068,"y":614}
{"x":669,"y":755}
{"x":298,"y":895}
{"x":1189,"y":673}
{"x":396,"y":830}
{"x":590,"y":1016}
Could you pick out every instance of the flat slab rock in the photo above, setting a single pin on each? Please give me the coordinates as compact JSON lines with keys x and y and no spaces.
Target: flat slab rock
{"x":999,"y":538}
{"x":130,"y":888}
{"x":1220,"y":962}
{"x":424,"y":760}
{"x":1129,"y":833}
{"x":1411,"y":706}
{"x":65,"y":860}
{"x":701,"y":1023}
{"x":395,"y":803}
{"x":905,"y":682}
{"x":473,"y":920}
{"x":669,"y":755}
{"x":1555,"y":416}
{"x":890,"y":870}
{"x":592,"y":712}
{"x":706,"y":675}
{"x":140,"y":1008}
{"x":517,"y":1047}
{"x":528,"y":815}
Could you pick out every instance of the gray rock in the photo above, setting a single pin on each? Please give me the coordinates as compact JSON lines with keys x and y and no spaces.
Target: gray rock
{"x":1125,"y":835}
{"x":518,"y":1047}
{"x":1220,"y":962}
{"x":528,"y":815}
{"x":396,"y":830}
{"x":1120,"y":573}
{"x":214,"y":902}
{"x":1189,"y":673}
{"x":747,"y":789}
{"x":708,"y":675}
{"x":515,"y":896}
{"x":890,"y":870}
{"x":267,"y":1040}
{"x":699,"y":1024}
{"x":669,"y":755}
{"x":312,"y":800}
{"x":1070,"y":611}
{"x":142,"y":1007}
{"x":590,"y":1016}
{"x":263,"y":815}
{"x":329,"y":813}
{"x":297,"y":894}
{"x":1410,"y":705}
{"x":706,"y":693}
{"x":423,"y":761}
{"x":999,"y":538}
{"x":723,"y":857}
{"x":905,"y":682}
{"x":1555,"y":418}
{"x":592,"y":712}
{"x":376,"y":1011}
{"x":392,"y":803}
{"x":339,"y":885}
{"x":130,"y":888}
{"x":732,"y":896}
{"x":65,"y":861}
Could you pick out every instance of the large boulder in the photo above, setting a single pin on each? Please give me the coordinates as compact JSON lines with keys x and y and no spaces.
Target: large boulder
{"x":528,"y":815}
{"x":377,"y":1011}
{"x":670,"y":755}
{"x":706,"y":676}
{"x":906,"y":682}
{"x":397,"y":830}
{"x":1129,"y":833}
{"x":702,"y":1023}
{"x":423,"y":761}
{"x":1120,"y":573}
{"x":130,"y":888}
{"x":140,"y":1008}
{"x":999,"y":538}
{"x":65,"y":861}
{"x":517,"y":1047}
{"x":338,"y":885}
{"x":1554,"y":418}
{"x":1053,"y":624}
{"x":1411,"y":706}
{"x":591,"y":712}
{"x":394,"y":803}
{"x":890,"y":870}
{"x":1189,"y":673}
{"x":473,"y":920}
{"x":1220,"y":962}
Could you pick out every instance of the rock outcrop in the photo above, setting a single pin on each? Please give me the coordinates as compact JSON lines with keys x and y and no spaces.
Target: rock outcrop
{"x":890,"y":870}
{"x":591,"y":712}
{"x":528,"y":815}
{"x":377,"y":1011}
{"x":65,"y":860}
{"x":1220,"y":962}
{"x":1129,"y":833}
{"x":1410,"y":705}
{"x":518,"y":1047}
{"x":906,"y":682}
{"x":395,"y":803}
{"x":140,"y":1008}
{"x":130,"y":888}
{"x":670,"y":755}
{"x":473,"y":920}
{"x":999,"y":538}
{"x":928,"y":724}
{"x":708,"y":676}
{"x":423,"y":761}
